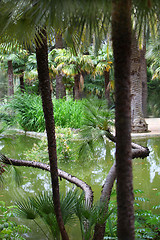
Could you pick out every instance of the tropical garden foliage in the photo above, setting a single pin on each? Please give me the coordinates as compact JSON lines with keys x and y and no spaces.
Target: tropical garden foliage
{"x":38,"y":19}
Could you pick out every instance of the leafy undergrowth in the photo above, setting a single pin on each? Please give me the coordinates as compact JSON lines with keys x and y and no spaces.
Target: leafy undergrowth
{"x":10,"y":229}
{"x":39,"y":152}
{"x":147,"y":223}
{"x":26,"y":110}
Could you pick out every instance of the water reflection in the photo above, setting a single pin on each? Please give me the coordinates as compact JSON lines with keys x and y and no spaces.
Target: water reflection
{"x":93,"y":171}
{"x":154,"y":158}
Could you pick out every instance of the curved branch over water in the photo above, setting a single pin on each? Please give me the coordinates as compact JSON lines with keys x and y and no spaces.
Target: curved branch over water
{"x":62,"y":174}
{"x":138,"y":151}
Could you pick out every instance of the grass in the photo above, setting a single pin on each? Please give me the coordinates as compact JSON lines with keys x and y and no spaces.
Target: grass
{"x":28,"y":112}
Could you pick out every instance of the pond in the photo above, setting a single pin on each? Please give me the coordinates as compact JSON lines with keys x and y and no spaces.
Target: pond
{"x":146,"y":173}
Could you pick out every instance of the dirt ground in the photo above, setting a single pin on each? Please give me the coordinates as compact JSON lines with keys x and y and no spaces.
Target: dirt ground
{"x":153,"y":127}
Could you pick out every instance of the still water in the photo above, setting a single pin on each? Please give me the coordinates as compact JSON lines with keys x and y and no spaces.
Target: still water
{"x":146,"y":173}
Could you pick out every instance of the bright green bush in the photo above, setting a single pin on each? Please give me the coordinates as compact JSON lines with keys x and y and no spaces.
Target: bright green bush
{"x":68,"y":114}
{"x":29,"y":113}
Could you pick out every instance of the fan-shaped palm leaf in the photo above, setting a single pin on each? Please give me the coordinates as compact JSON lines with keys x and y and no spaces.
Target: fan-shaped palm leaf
{"x":25,"y":209}
{"x":90,"y":215}
{"x":97,"y":121}
{"x":42,"y":206}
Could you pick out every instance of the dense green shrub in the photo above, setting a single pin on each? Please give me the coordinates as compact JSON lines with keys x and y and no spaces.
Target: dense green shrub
{"x":8,"y":228}
{"x":68,"y":113}
{"x":29,"y":113}
{"x":147,"y":223}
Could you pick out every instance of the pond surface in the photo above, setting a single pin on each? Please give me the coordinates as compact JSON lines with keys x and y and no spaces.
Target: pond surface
{"x":146,"y":173}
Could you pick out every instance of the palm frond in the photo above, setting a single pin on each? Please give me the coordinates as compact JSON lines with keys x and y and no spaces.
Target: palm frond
{"x":12,"y":170}
{"x":16,"y":175}
{"x":42,"y":206}
{"x":90,"y":215}
{"x":25,"y":209}
{"x":68,"y":203}
{"x":97,"y":121}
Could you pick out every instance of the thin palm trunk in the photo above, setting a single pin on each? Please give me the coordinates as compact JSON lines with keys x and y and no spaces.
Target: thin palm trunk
{"x":22,"y":87}
{"x":43,"y":75}
{"x":106,"y":86}
{"x":10,"y":79}
{"x":121,"y":36}
{"x":76,"y":90}
{"x":60,"y":88}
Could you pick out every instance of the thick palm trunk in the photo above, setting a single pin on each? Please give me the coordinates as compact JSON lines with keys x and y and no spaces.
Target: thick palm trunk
{"x":10,"y":79}
{"x":43,"y":76}
{"x":144,"y":80}
{"x":60,"y":88}
{"x":137,"y":118}
{"x":121,"y":36}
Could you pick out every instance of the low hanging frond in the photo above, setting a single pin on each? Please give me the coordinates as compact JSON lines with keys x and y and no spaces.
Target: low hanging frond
{"x":25,"y":209}
{"x":97,"y":121}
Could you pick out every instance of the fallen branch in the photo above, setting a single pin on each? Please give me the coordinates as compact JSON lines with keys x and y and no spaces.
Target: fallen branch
{"x":62,"y":174}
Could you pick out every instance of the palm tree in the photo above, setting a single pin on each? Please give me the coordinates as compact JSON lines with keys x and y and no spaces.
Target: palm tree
{"x":42,"y":206}
{"x":121,"y":36}
{"x":153,"y":56}
{"x":144,"y":78}
{"x":72,"y":66}
{"x":60,"y":88}
{"x":137,"y":118}
{"x":44,"y":80}
{"x":121,"y":32}
{"x":103,"y":63}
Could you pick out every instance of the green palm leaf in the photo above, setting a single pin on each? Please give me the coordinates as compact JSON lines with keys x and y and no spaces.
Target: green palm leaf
{"x":97,"y":121}
{"x":25,"y":209}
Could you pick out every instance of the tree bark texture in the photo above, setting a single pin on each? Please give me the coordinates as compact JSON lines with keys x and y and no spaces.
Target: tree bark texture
{"x":21,"y":79}
{"x":10,"y":79}
{"x":137,"y":118}
{"x":76,"y":90}
{"x":106,"y":87}
{"x":44,"y":80}
{"x":144,"y":80}
{"x":137,"y":152}
{"x":121,"y":37}
{"x":60,"y":88}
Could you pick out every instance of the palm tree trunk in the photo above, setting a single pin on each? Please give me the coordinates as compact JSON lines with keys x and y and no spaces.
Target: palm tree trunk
{"x":76,"y":90}
{"x":137,"y":119}
{"x":60,"y":88}
{"x":121,"y":36}
{"x":43,"y":76}
{"x":22,"y":87}
{"x":144,"y":80}
{"x":106,"y":86}
{"x":10,"y":79}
